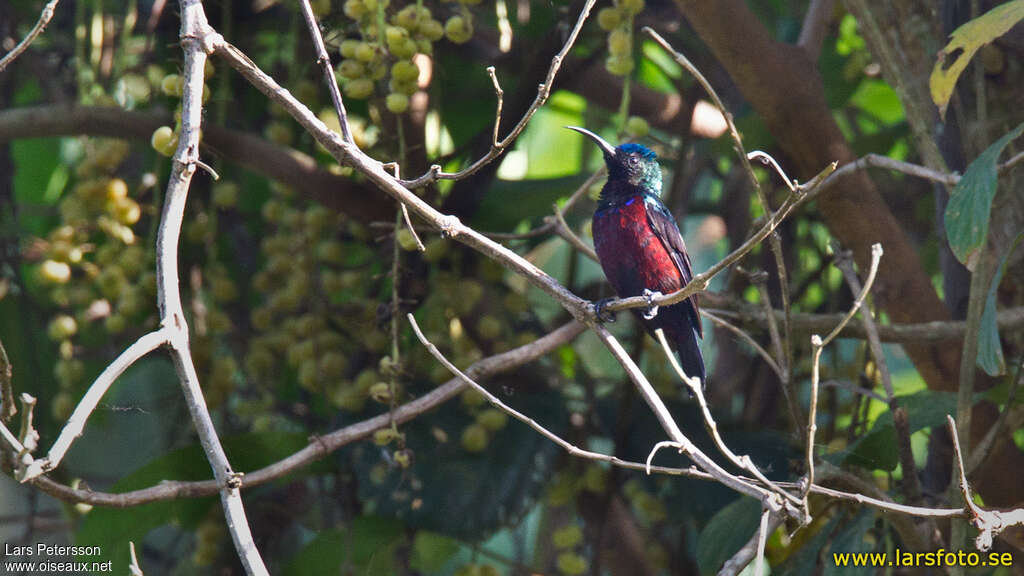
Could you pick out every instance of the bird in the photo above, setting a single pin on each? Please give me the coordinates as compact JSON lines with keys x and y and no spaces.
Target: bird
{"x":640,"y":248}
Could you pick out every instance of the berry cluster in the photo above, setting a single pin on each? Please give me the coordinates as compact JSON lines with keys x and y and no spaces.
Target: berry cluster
{"x":92,"y":266}
{"x":618,"y":22}
{"x":385,"y":47}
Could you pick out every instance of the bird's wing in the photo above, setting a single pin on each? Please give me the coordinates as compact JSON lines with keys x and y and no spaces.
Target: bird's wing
{"x":665,"y":228}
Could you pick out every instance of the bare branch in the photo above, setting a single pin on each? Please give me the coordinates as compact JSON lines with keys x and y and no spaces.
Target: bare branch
{"x":754,"y":548}
{"x":815,"y":26}
{"x":195,"y":43}
{"x":990,"y":523}
{"x":697,"y":389}
{"x":44,"y":18}
{"x":134,"y":567}
{"x":494,"y":400}
{"x":321,"y":446}
{"x":76,"y":423}
{"x":497,"y":148}
{"x":819,"y":344}
{"x":325,"y":62}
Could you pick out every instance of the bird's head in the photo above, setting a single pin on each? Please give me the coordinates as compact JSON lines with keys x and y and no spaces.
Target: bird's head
{"x":632,"y":163}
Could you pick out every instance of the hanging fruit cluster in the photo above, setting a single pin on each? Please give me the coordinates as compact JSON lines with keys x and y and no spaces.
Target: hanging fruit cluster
{"x":96,"y":272}
{"x":617,"y":20}
{"x":384,"y":45}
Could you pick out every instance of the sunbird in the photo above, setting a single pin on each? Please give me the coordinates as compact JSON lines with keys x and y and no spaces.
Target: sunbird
{"x":640,"y":248}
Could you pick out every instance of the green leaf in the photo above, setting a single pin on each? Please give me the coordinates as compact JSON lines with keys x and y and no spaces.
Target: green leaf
{"x":990,"y":351}
{"x":850,"y":541}
{"x":367,"y":545}
{"x":431,"y":551}
{"x":726,"y":533}
{"x":964,"y":42}
{"x":876,"y":450}
{"x":970,"y":204}
{"x":112,"y":528}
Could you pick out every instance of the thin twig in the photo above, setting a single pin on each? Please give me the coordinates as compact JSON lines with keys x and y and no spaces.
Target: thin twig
{"x":325,"y":63}
{"x":984,"y":448}
{"x":322,"y":446}
{"x":566,"y":232}
{"x":754,"y":547}
{"x":44,"y":18}
{"x":746,"y":338}
{"x":134,"y":567}
{"x":499,"y":94}
{"x":76,"y":423}
{"x":819,"y":344}
{"x":497,"y":148}
{"x":856,"y":389}
{"x":564,"y":444}
{"x":990,"y":523}
{"x":774,"y":242}
{"x":696,"y":388}
{"x":677,"y":438}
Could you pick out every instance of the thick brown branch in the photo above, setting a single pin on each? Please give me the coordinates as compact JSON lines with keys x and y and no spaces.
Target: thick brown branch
{"x":288,"y":166}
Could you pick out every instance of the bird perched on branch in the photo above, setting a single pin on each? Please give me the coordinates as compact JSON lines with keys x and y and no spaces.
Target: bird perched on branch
{"x":640,"y":248}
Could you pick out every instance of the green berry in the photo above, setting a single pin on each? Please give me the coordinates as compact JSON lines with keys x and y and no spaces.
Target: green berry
{"x":631,"y":6}
{"x":348,"y":48}
{"x":225,"y":194}
{"x":432,"y":30}
{"x":403,"y":458}
{"x":405,"y":238}
{"x":567,"y":537}
{"x":365,"y":52}
{"x":381,"y":392}
{"x":620,"y":42}
{"x":116,"y":188}
{"x":474,"y":438}
{"x":354,"y":9}
{"x":397,"y":103}
{"x":637,"y":127}
{"x":405,"y":70}
{"x":172,"y":85}
{"x":608,"y":18}
{"x":619,"y":65}
{"x":458,"y":30}
{"x":395,"y":34}
{"x":359,"y":89}
{"x":62,"y":327}
{"x":405,"y":48}
{"x":492,"y":419}
{"x":164,"y":140}
{"x":55,"y":272}
{"x":351,"y":69}
{"x":115,"y":323}
{"x":385,"y":436}
{"x":571,"y":564}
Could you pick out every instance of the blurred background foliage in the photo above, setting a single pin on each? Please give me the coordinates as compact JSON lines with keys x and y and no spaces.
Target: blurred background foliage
{"x":290,"y":293}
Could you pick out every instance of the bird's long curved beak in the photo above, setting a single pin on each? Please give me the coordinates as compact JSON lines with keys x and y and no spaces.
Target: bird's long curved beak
{"x":607,"y":148}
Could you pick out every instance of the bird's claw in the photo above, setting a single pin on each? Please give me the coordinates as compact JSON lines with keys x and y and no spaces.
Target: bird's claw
{"x":652,"y":308}
{"x":601,"y":314}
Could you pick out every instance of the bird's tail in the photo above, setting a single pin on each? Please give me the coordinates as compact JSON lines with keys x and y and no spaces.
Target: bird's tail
{"x":690,"y":357}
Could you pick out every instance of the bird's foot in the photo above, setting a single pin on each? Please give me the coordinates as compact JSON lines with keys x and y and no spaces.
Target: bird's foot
{"x":602,"y":314}
{"x":652,"y":308}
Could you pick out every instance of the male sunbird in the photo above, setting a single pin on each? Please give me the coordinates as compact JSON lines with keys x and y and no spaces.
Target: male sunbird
{"x":640,"y":248}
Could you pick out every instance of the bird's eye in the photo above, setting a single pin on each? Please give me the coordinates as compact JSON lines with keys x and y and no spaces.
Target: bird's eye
{"x":633,"y":160}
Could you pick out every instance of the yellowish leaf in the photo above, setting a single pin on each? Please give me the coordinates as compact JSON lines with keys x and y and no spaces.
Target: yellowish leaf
{"x":964,"y":42}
